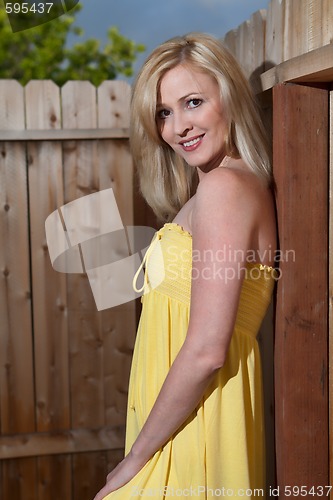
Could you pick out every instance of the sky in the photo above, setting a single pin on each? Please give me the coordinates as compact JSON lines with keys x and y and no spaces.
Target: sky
{"x":151,"y":22}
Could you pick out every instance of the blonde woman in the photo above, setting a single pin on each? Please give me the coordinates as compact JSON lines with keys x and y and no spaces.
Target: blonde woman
{"x":195,"y":410}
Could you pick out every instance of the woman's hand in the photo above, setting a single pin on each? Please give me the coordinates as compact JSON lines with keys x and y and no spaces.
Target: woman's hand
{"x":121,"y":475}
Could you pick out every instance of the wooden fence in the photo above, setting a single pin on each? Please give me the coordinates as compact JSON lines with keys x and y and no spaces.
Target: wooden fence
{"x":289,"y":28}
{"x":63,"y":365}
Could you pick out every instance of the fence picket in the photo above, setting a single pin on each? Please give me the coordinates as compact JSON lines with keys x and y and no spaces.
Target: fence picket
{"x":49,"y":302}
{"x":326,"y":22}
{"x":116,"y":171}
{"x":86,"y":349}
{"x":257,"y":56}
{"x":230,"y":41}
{"x":274,"y":40}
{"x":16,"y":356}
{"x":315,"y":34}
{"x":81,"y":178}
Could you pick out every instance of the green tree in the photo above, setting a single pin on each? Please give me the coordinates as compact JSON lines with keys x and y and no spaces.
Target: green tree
{"x":41,"y":53}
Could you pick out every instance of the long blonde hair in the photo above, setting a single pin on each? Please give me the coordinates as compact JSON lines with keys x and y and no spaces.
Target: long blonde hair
{"x":166,"y":181}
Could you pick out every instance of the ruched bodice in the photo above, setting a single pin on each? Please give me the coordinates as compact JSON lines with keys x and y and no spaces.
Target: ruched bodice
{"x":221,"y":444}
{"x":169,"y":272}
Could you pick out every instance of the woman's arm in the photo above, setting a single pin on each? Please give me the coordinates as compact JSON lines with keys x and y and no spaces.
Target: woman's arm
{"x":223,"y":220}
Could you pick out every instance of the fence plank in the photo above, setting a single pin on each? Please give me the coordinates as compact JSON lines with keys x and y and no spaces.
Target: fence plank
{"x":301,"y":170}
{"x":326,"y":22}
{"x":20,"y":479}
{"x":315,"y":35}
{"x":230,"y":41}
{"x":116,"y":170}
{"x":55,"y":478}
{"x":88,"y":466}
{"x":16,"y":352}
{"x":86,"y":345}
{"x":49,"y":287}
{"x":242,"y":46}
{"x":274,"y":40}
{"x":49,"y":302}
{"x":257,"y":31}
{"x":81,"y":171}
{"x":292,"y":26}
{"x":16,"y":375}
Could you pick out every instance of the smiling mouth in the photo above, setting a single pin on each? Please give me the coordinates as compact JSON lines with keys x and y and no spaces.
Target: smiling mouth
{"x":192,"y":142}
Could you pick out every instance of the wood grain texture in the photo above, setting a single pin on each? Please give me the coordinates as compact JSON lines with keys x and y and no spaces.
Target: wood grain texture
{"x":62,"y":442}
{"x":16,"y":334}
{"x":54,"y":478}
{"x":49,"y":302}
{"x":66,"y":393}
{"x":64,"y":135}
{"x":116,"y":171}
{"x":102,"y":342}
{"x":49,"y":288}
{"x":289,"y":28}
{"x":16,"y":357}
{"x":274,"y":40}
{"x":300,"y":129}
{"x":81,"y":175}
{"x":313,"y":67}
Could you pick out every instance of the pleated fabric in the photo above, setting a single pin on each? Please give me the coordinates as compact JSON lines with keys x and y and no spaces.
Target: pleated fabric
{"x":219,"y":451}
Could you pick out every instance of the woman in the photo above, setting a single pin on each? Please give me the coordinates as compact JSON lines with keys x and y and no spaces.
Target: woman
{"x":195,"y":412}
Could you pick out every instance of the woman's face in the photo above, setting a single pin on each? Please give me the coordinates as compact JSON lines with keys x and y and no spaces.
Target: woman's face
{"x":190,"y":117}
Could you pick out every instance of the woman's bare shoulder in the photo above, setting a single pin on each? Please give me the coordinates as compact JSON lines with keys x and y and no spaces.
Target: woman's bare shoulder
{"x":235,"y":194}
{"x":239,"y":184}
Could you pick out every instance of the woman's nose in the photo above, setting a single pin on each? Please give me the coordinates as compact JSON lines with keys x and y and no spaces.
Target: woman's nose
{"x":182,"y":124}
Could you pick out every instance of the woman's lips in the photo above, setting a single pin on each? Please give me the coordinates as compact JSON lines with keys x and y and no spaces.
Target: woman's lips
{"x":191,"y":144}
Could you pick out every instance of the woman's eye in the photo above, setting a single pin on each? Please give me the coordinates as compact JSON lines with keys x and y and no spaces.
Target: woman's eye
{"x":194,"y":103}
{"x":163,"y":114}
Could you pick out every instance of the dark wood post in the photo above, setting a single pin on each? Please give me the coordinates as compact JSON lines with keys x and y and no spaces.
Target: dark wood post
{"x":301,"y":135}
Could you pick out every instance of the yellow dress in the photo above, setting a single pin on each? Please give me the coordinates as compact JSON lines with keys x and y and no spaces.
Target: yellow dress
{"x":219,"y":451}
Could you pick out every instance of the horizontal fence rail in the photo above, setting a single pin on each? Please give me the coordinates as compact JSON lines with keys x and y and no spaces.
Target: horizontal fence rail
{"x":64,"y":135}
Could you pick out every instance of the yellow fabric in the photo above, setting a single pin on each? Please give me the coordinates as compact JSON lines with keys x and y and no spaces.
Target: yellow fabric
{"x":219,"y":451}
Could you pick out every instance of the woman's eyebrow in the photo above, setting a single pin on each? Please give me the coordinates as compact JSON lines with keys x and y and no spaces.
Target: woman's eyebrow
{"x":161,"y":104}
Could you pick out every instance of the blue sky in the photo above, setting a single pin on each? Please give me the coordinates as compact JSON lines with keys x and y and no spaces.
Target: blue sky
{"x":153,"y":21}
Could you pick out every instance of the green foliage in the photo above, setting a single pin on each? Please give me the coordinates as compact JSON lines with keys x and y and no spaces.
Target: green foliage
{"x":41,"y":53}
